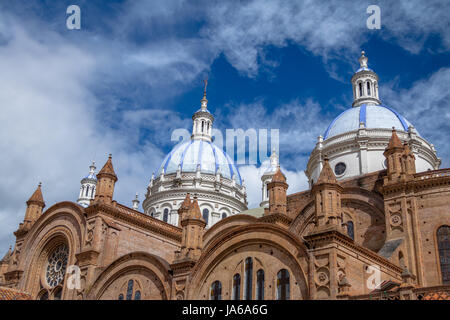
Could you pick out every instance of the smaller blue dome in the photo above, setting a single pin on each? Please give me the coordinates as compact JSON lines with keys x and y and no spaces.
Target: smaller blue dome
{"x":373,"y":116}
{"x":91,"y":176}
{"x":363,"y":69}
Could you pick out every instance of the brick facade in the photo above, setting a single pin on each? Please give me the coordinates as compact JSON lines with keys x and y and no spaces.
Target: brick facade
{"x":325,"y":243}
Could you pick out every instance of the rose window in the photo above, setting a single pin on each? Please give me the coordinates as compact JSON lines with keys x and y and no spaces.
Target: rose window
{"x":56,"y":268}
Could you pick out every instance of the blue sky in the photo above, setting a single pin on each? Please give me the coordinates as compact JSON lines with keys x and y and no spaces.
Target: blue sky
{"x":134,"y":72}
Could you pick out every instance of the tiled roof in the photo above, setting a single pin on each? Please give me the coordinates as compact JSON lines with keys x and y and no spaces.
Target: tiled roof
{"x":12,"y":294}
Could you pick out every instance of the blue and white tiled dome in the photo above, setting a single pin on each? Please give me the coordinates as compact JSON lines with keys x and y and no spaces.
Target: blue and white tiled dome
{"x":188,"y":155}
{"x":373,"y":116}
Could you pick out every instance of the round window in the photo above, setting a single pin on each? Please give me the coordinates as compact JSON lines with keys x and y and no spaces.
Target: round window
{"x":339,"y":169}
{"x":56,"y":266}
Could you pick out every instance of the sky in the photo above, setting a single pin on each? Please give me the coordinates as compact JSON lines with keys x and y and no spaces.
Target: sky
{"x":133,"y":73}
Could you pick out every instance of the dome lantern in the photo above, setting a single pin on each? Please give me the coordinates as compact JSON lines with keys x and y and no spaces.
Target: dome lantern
{"x":202,"y":120}
{"x":365,"y":84}
{"x":88,"y":187}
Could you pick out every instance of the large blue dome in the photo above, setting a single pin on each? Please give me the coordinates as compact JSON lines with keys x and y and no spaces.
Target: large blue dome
{"x":373,"y":116}
{"x":188,"y":155}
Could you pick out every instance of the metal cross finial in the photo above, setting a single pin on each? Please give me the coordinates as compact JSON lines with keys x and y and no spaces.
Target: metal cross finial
{"x":205,"y":81}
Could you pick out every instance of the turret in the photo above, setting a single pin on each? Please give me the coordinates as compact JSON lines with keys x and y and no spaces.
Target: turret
{"x":106,"y":182}
{"x":192,"y":225}
{"x":88,"y":185}
{"x":35,"y":205}
{"x":327,"y":194}
{"x":394,"y":153}
{"x":277,"y":193}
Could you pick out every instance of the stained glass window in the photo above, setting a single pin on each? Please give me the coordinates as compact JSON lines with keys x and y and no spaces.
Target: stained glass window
{"x":237,"y":286}
{"x":248,"y":278}
{"x":56,"y":266}
{"x":260,"y":285}
{"x":224,"y":215}
{"x":283,"y":289}
{"x":137,"y":295}
{"x":44,"y":296}
{"x":120,"y":296}
{"x":206,"y":215}
{"x":216,"y":290}
{"x":130,"y":290}
{"x":350,"y":229}
{"x":166,"y":215}
{"x":57,"y":294}
{"x":443,"y":238}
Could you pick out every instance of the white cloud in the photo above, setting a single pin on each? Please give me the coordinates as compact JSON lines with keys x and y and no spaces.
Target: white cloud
{"x":296,"y":180}
{"x":51,"y":129}
{"x":426,"y":105}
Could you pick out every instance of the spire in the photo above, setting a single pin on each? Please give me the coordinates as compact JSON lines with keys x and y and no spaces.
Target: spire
{"x":202,"y":120}
{"x":279,"y":176}
{"x":36,"y":197}
{"x":394,"y":141}
{"x":365,"y":84}
{"x":327,"y":174}
{"x":92,"y":169}
{"x":106,"y":181}
{"x":204,"y":101}
{"x":274,"y":161}
{"x":363,"y":60}
{"x":108,"y":169}
{"x":187,"y":202}
{"x":135,"y":203}
{"x":194,"y":210}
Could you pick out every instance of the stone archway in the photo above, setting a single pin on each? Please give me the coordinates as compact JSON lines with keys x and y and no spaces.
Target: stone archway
{"x":133,"y":274}
{"x":271,"y":249}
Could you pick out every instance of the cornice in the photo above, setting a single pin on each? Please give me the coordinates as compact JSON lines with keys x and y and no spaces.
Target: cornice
{"x":335,"y":236}
{"x":137,"y":218}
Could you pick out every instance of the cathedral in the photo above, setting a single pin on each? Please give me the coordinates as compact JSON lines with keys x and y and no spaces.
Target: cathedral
{"x":373,"y":224}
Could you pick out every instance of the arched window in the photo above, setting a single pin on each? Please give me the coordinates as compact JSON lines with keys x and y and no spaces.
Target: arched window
{"x":57,"y":294}
{"x":360,"y":89}
{"x":401,"y":259}
{"x":203,"y":125}
{"x":368,"y":88}
{"x":206,"y":215}
{"x":120,"y":296}
{"x":248,"y":279}
{"x":237,"y":287}
{"x":166,"y":215}
{"x":92,"y":192}
{"x":216,"y":290}
{"x":130,"y":290}
{"x":283,"y":289}
{"x":224,"y":215}
{"x":87,"y":191}
{"x":44,"y":296}
{"x":350,"y":229}
{"x":443,"y":239}
{"x":260,"y":285}
{"x":208,"y":127}
{"x":137,"y":295}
